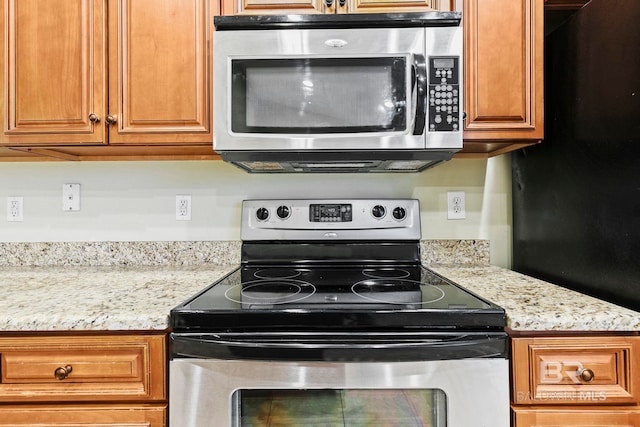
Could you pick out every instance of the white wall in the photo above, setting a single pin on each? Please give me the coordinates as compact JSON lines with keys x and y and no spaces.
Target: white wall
{"x":135,"y":201}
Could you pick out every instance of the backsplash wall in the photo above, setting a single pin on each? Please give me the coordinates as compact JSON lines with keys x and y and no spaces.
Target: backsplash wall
{"x":135,"y":201}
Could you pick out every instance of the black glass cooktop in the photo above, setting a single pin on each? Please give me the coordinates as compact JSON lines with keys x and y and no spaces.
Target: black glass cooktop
{"x":254,"y":298}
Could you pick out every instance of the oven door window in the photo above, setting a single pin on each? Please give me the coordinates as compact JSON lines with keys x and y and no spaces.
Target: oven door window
{"x":340,"y":408}
{"x":319,"y":95}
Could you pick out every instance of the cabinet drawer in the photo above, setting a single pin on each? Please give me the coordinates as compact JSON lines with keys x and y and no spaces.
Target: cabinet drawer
{"x":83,"y":368}
{"x":576,"y":418}
{"x":576,"y":370}
{"x":85,"y":416}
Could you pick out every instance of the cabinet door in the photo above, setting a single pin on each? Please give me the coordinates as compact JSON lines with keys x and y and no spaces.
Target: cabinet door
{"x":503,"y":72}
{"x":256,"y":7}
{"x":274,"y":7}
{"x":160,"y":71}
{"x":85,"y":416}
{"x":390,"y":6}
{"x":52,"y":70}
{"x":594,"y":417}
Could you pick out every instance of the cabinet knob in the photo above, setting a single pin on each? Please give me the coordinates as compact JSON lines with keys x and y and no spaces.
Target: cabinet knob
{"x":110,"y":119}
{"x":62,"y":372}
{"x":585,"y":374}
{"x":328,"y":3}
{"x":93,"y":118}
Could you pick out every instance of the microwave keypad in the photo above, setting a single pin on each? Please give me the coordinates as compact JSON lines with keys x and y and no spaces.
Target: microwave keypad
{"x":443,"y":96}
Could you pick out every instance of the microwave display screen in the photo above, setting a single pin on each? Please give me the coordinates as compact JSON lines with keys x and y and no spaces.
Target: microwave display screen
{"x":319,"y":95}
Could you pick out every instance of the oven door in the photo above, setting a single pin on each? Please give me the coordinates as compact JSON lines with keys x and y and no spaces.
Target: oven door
{"x":332,"y":89}
{"x":356,"y":391}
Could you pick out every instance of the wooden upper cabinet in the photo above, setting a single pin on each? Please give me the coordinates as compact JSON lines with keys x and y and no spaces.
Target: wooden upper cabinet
{"x":503,"y":73}
{"x":55,"y":67}
{"x":256,"y":7}
{"x":160,"y":71}
{"x":53,"y":71}
{"x":377,"y":6}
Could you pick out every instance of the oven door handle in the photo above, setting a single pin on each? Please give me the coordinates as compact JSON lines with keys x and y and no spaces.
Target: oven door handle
{"x":340,"y":347}
{"x":419,"y":75}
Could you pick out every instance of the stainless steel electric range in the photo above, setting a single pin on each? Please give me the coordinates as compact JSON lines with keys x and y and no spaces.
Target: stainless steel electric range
{"x":332,"y":311}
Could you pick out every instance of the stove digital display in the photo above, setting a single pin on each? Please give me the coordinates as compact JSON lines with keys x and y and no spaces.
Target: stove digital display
{"x":330,"y":213}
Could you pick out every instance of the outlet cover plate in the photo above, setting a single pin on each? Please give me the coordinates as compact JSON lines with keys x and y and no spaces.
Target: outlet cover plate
{"x":15,"y":208}
{"x":456,"y":205}
{"x":183,"y":207}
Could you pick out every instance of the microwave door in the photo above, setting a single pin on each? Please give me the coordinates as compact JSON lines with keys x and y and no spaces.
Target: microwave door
{"x":339,"y":98}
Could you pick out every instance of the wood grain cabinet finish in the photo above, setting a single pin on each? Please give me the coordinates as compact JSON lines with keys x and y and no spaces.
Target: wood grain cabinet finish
{"x":132,"y":79}
{"x":94,"y":73}
{"x":268,"y":7}
{"x":83,"y":380}
{"x":160,"y":71}
{"x":504,"y":75}
{"x":53,"y":72}
{"x":82,"y":368}
{"x":83,"y":416}
{"x":576,"y":380}
{"x":577,"y":418}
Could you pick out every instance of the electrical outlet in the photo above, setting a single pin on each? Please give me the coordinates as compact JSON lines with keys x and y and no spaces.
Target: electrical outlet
{"x":183,"y":207}
{"x":14,"y":208}
{"x":70,"y":197}
{"x":456,"y":205}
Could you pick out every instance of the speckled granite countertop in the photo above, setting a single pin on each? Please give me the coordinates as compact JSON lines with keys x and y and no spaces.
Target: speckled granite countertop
{"x":535,"y":305}
{"x":97,"y":298}
{"x":140,"y":298}
{"x":108,"y":286}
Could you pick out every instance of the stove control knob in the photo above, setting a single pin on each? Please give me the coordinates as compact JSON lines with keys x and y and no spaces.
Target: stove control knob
{"x":378,"y":211}
{"x":262,"y":214}
{"x":399,"y":213}
{"x":283,"y":212}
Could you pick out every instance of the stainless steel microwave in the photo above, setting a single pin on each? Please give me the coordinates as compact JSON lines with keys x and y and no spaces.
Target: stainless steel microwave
{"x":338,"y":93}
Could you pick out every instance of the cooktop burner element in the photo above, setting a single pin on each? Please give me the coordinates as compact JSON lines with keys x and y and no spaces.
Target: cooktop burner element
{"x":276,"y":273}
{"x":385,"y":273}
{"x":397,"y":291}
{"x":270,"y":292}
{"x":318,"y":268}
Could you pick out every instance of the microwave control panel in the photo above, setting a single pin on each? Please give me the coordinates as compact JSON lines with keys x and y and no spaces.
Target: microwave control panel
{"x":443,"y":96}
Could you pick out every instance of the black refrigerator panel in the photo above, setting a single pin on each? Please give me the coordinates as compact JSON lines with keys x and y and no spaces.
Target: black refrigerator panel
{"x":576,"y":196}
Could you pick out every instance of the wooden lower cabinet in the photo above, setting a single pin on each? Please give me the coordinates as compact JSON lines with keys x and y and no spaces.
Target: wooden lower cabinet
{"x":575,"y":380}
{"x":85,"y":416}
{"x":74,"y":380}
{"x":579,"y":417}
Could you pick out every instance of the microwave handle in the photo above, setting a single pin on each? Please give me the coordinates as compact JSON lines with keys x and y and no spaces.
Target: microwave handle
{"x":419,"y":74}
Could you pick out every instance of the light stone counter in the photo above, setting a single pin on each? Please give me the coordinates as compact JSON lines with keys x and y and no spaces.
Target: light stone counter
{"x":140,"y":298}
{"x":134,"y":285}
{"x":97,"y":298}
{"x":535,"y":305}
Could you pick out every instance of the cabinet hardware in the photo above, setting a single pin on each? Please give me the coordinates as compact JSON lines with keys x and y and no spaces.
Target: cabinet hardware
{"x":62,"y":372}
{"x":585,"y":374}
{"x":110,"y":119}
{"x":93,"y":118}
